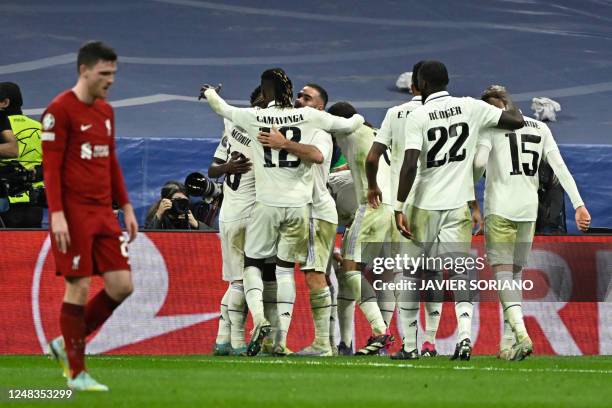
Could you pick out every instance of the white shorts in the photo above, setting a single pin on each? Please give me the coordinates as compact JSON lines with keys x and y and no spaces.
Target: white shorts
{"x":232,"y":235}
{"x":508,"y":242}
{"x":277,"y":231}
{"x":439,"y":232}
{"x":321,"y":240}
{"x":371,"y":225}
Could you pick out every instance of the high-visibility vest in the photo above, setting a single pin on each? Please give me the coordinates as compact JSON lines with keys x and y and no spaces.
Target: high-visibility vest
{"x":27,"y":133}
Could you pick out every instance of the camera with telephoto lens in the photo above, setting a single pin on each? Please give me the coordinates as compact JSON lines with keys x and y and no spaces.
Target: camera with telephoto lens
{"x":16,"y":180}
{"x":198,"y":185}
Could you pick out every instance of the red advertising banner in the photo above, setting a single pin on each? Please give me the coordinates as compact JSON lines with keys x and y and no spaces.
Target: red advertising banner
{"x":175,"y":305}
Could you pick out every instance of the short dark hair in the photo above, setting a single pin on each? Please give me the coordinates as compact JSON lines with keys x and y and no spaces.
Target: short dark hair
{"x":321,"y":92}
{"x":415,"y":74}
{"x":342,"y":109}
{"x":11,"y":91}
{"x":93,"y":51}
{"x":434,"y":73}
{"x":283,"y":88}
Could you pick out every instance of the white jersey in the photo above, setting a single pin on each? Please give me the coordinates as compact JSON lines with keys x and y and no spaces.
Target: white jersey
{"x":283,"y":180}
{"x":391,"y":134}
{"x":238,"y":189}
{"x":355,"y":147}
{"x":446,"y":129}
{"x":512,"y":181}
{"x":323,"y":206}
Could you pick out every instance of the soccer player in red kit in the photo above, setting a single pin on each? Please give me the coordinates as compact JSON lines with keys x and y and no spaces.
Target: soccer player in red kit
{"x":82,"y":179}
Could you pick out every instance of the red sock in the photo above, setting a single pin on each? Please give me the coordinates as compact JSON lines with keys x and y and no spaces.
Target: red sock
{"x":98,"y":310}
{"x":72,"y":325}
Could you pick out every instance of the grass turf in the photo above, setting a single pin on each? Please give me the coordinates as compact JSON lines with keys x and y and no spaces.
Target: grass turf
{"x":204,"y":381}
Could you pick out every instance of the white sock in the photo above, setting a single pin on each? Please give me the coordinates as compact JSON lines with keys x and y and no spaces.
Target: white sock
{"x":367,"y":303}
{"x":333,"y":316}
{"x":433,"y":313}
{"x":508,"y":338}
{"x":464,"y":312}
{"x":346,"y":311}
{"x":253,"y":292}
{"x":237,"y":314}
{"x":285,"y":280}
{"x":270,"y":290}
{"x":408,"y":304}
{"x":511,"y":304}
{"x":320,"y":304}
{"x":386,"y":304}
{"x":223,"y":332}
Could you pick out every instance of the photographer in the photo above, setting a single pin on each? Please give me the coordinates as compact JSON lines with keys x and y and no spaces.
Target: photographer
{"x":24,"y":176}
{"x":172,"y":210}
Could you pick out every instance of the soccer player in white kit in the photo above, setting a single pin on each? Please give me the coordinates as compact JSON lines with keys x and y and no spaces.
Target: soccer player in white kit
{"x":371,"y":225}
{"x":390,"y":136}
{"x":440,"y":142}
{"x":511,"y":160}
{"x":284,"y":188}
{"x":233,"y":159}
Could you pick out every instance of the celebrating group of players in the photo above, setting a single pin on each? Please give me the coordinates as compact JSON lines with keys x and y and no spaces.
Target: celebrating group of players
{"x":277,"y":210}
{"x":413,"y":180}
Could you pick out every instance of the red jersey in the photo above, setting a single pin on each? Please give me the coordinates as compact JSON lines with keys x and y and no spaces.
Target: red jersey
{"x":79,"y":160}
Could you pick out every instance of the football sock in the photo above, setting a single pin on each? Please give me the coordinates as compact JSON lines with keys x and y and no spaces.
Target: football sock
{"x":464,"y":311}
{"x":253,"y":293}
{"x":285,"y":280}
{"x":386,"y":304}
{"x":508,"y":336}
{"x":236,"y":308}
{"x":333,"y":315}
{"x":511,"y":304}
{"x":408,"y":304}
{"x":320,"y":304}
{"x":366,"y":298}
{"x":98,"y":310}
{"x":269,"y":303}
{"x":346,"y":311}
{"x":72,"y":326}
{"x":433,"y":313}
{"x":223,"y":332}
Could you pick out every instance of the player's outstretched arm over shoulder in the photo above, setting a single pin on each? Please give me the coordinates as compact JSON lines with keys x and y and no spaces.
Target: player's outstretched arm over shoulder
{"x":582,"y":216}
{"x":371,"y":167}
{"x":218,"y":104}
{"x":337,"y":124}
{"x":274,"y":139}
{"x":511,"y":118}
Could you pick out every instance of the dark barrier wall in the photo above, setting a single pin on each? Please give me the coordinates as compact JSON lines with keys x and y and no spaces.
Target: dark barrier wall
{"x":148,"y":163}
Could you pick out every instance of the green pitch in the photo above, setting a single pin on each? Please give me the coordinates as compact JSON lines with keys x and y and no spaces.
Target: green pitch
{"x":376,"y":382}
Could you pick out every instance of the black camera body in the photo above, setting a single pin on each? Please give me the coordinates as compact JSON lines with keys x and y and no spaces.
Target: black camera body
{"x":15,"y":180}
{"x":180,"y":206}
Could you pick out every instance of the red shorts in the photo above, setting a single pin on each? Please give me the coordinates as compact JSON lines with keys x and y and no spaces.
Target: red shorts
{"x":97,"y":244}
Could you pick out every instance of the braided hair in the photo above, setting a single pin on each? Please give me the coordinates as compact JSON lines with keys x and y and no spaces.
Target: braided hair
{"x":283,"y":88}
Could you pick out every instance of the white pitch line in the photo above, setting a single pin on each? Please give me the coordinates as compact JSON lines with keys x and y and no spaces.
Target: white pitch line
{"x":328,"y":362}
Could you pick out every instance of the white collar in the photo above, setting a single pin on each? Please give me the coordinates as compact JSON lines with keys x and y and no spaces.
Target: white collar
{"x":271,"y":103}
{"x":436,"y":95}
{"x":416,"y":98}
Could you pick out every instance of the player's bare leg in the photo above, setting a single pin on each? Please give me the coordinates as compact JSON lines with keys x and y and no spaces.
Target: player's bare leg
{"x":320,"y":304}
{"x":511,"y":304}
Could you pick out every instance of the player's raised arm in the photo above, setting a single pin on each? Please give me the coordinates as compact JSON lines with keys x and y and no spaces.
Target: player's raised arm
{"x":336,"y":124}
{"x":510,"y":118}
{"x":222,"y":108}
